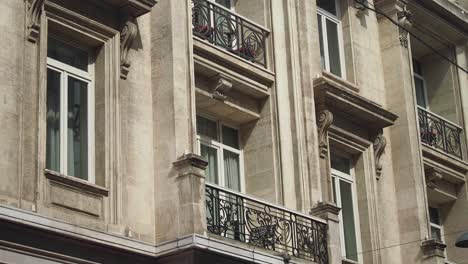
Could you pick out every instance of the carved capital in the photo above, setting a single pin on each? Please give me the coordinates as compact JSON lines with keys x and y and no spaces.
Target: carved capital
{"x":379,"y":148}
{"x":127,"y":36}
{"x":433,"y":247}
{"x":220,"y":86}
{"x":35,"y":8}
{"x":405,"y":20}
{"x":325,"y":119}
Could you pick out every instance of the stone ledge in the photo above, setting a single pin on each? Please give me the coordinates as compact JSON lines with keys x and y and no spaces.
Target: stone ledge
{"x":76,"y":183}
{"x":433,"y":247}
{"x":326,"y":210}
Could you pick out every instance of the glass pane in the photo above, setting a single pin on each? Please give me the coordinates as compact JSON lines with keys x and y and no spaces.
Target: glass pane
{"x":435,"y":233}
{"x":322,"y":52}
{"x":333,"y":48}
{"x":327,"y":5}
{"x":211,"y":155}
{"x":349,"y":227}
{"x":434,"y":215}
{"x":420,"y":92}
{"x":334,"y":190}
{"x":340,"y":164}
{"x":225,"y":3}
{"x":231,"y":170}
{"x":417,"y":67}
{"x":206,"y":128}
{"x":53,"y":121}
{"x":67,"y":54}
{"x":77,"y":128}
{"x":230,"y":137}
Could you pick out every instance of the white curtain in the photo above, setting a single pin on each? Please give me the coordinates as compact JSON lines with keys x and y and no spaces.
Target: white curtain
{"x":231,"y":170}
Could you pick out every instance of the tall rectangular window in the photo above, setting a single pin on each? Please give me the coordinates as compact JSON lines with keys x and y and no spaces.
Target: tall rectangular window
{"x":344,"y":194}
{"x":330,"y":37}
{"x":70,"y":110}
{"x":219,"y":145}
{"x":420,"y":85}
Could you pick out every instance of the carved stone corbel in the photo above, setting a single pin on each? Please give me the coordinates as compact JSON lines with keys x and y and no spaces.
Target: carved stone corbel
{"x":405,"y":20}
{"x":127,"y":36}
{"x":379,"y":148}
{"x":325,"y":119}
{"x":360,"y":7}
{"x":35,"y":8}
{"x":220,"y":86}
{"x":433,"y":175}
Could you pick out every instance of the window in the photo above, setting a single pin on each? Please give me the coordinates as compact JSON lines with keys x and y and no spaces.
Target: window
{"x":70,"y":110}
{"x":330,"y":36}
{"x":420,"y":85}
{"x":344,"y":195}
{"x":219,"y":145}
{"x":435,"y":223}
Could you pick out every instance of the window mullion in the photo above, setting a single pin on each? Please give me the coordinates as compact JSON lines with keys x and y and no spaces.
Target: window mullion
{"x":63,"y":124}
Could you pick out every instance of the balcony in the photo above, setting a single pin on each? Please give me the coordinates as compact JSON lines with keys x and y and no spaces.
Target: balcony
{"x":229,"y":31}
{"x":258,"y":223}
{"x":440,"y":133}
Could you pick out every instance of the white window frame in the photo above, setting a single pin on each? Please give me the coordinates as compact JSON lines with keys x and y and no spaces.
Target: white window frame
{"x":335,"y":19}
{"x":67,"y":71}
{"x":338,"y":176}
{"x":426,"y":99}
{"x":220,"y":147}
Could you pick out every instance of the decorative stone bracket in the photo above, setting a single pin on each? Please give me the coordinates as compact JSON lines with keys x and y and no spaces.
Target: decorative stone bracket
{"x":127,"y":35}
{"x":432,"y":177}
{"x":220,"y":86}
{"x":360,"y":7}
{"x":405,"y":19}
{"x":433,"y":247}
{"x":35,"y":8}
{"x":379,"y":148}
{"x":325,"y":119}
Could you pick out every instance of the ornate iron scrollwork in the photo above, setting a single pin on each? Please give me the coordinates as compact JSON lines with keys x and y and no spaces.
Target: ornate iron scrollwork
{"x":229,"y":31}
{"x":237,"y":217}
{"x":440,"y":133}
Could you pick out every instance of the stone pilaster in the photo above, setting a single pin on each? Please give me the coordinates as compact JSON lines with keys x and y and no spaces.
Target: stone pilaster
{"x":329,"y":212}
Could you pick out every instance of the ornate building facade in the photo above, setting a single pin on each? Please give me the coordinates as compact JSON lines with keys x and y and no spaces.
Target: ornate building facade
{"x":233,"y":131}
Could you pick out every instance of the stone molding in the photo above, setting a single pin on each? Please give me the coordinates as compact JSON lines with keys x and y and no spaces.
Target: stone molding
{"x":325,"y":119}
{"x":128,"y":34}
{"x":77,"y":183}
{"x":35,"y":8}
{"x":379,"y":149}
{"x":433,"y":247}
{"x":405,"y":21}
{"x":326,"y":210}
{"x":433,"y":175}
{"x":191,"y":164}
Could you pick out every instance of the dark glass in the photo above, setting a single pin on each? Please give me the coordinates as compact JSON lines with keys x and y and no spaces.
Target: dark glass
{"x":225,"y":3}
{"x":434,"y":215}
{"x":333,"y":48}
{"x":230,"y":137}
{"x":322,"y":51}
{"x":349,"y":226}
{"x":67,"y":54}
{"x":340,"y":164}
{"x":53,"y":121}
{"x":77,"y":131}
{"x":417,"y":68}
{"x":327,"y":5}
{"x":207,"y":128}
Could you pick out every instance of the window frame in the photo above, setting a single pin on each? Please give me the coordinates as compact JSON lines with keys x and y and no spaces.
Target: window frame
{"x":220,"y":147}
{"x":66,"y":71}
{"x":335,"y":19}
{"x":336,"y":177}
{"x":424,"y":88}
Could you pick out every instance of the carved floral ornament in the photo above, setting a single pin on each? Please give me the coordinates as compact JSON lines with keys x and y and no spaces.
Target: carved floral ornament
{"x":35,"y":8}
{"x":405,"y":20}
{"x":379,"y":148}
{"x":325,"y":119}
{"x":127,"y":36}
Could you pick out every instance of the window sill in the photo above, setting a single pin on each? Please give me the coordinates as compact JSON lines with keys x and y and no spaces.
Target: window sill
{"x":348,"y":261}
{"x":76,"y":183}
{"x":340,"y":80}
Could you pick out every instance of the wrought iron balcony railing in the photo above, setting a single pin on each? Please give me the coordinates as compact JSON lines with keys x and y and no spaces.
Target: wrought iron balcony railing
{"x":440,"y":133}
{"x":262,"y":224}
{"x":229,"y":31}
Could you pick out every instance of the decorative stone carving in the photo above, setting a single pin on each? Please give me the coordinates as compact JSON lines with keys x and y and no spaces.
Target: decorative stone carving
{"x":34,"y":19}
{"x":325,"y":120}
{"x":379,"y":148}
{"x":433,"y":247}
{"x":127,"y":36}
{"x":405,"y":21}
{"x":433,"y":175}
{"x":360,"y":7}
{"x":221,"y":85}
